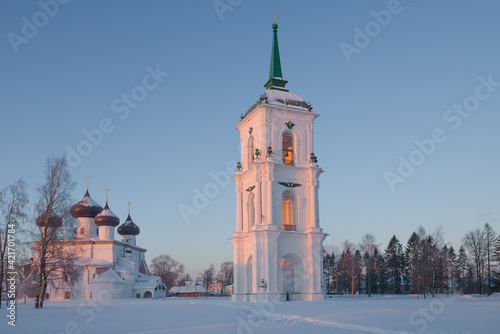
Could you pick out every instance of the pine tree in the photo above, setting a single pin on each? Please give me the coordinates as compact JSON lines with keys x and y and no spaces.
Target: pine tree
{"x":368,"y":273}
{"x":382,"y":274}
{"x":394,"y":260}
{"x":462,"y":266}
{"x":452,"y":268}
{"x":357,"y":270}
{"x":412,"y":258}
{"x":330,"y":267}
{"x":429,"y":264}
{"x":344,"y":271}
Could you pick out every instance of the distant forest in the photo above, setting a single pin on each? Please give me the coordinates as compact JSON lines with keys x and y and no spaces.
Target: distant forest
{"x":426,"y":265}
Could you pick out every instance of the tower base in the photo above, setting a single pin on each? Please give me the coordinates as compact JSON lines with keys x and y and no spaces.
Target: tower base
{"x":276,"y":297}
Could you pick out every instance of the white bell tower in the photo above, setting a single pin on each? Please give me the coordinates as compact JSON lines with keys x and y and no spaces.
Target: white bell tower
{"x":278,"y":243}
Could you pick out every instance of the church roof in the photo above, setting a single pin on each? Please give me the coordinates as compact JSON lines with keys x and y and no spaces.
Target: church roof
{"x":129,"y":227}
{"x":107,"y":218}
{"x":280,"y":98}
{"x":192,"y":288}
{"x":49,"y":220}
{"x":86,"y":207}
{"x":109,"y":276}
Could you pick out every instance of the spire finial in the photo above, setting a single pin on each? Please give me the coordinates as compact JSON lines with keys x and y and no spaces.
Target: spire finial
{"x":129,"y":207}
{"x":87,"y":177}
{"x":275,"y":76}
{"x":106,"y":190}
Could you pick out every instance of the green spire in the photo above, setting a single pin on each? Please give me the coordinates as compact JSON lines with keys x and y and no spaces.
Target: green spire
{"x":275,"y":76}
{"x":275,"y":70}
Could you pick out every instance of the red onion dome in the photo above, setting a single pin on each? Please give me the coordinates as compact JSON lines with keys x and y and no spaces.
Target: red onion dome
{"x":86,"y":207}
{"x":129,"y":227}
{"x":49,"y":220}
{"x":106,"y":217}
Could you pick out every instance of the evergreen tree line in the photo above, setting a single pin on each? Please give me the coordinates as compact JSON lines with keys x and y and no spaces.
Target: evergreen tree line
{"x":425,"y":265}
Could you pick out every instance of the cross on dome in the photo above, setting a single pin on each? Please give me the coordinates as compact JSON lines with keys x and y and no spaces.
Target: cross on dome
{"x":87,"y":177}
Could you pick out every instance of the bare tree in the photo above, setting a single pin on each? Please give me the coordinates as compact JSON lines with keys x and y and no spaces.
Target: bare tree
{"x":225,"y":275}
{"x":207,"y":276}
{"x":54,"y":199}
{"x":489,"y":235}
{"x":368,"y":244}
{"x":167,"y":268}
{"x":183,"y":278}
{"x":13,"y":200}
{"x":475,"y":241}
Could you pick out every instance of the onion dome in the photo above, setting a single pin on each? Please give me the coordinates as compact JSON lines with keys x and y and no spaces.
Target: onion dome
{"x":106,"y":218}
{"x":86,"y":207}
{"x":52,"y":221}
{"x":129,"y":227}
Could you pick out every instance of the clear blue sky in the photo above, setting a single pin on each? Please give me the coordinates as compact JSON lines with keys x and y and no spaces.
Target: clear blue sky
{"x":396,"y":89}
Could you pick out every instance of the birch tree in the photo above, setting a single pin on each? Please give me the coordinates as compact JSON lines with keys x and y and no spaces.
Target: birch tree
{"x":13,"y":200}
{"x":54,"y":199}
{"x":489,"y":235}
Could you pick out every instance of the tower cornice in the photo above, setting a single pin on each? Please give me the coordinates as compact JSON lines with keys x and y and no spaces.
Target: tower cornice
{"x":273,"y":108}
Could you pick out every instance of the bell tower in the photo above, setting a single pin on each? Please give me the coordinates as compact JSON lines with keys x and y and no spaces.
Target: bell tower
{"x":278,"y":243}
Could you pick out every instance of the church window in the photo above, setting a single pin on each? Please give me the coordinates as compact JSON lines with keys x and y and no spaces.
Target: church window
{"x":287,"y":146}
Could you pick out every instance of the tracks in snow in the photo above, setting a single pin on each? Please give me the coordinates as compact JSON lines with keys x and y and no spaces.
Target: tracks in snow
{"x":290,"y":318}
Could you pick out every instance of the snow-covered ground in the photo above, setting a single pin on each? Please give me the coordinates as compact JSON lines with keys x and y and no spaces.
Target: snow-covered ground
{"x":340,"y":314}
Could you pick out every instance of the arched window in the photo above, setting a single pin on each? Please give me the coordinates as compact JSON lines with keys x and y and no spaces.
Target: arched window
{"x":291,"y":275}
{"x":251,"y":151}
{"x":287,"y":146}
{"x":287,"y":208}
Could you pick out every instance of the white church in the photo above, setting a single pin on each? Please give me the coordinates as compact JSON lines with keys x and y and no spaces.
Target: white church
{"x":278,"y":243}
{"x":102,"y":267}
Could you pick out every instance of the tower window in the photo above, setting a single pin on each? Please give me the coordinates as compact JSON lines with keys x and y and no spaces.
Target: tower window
{"x":287,"y":208}
{"x":287,"y":145}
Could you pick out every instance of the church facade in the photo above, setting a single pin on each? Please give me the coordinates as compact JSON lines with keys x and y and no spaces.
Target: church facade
{"x":97,"y":266}
{"x":278,"y":242}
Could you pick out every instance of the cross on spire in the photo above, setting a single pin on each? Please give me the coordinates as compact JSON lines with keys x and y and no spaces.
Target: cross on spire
{"x":106,"y":190}
{"x":274,"y":17}
{"x":129,"y":207}
{"x":87,"y":177}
